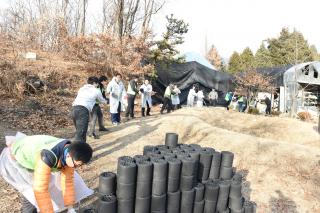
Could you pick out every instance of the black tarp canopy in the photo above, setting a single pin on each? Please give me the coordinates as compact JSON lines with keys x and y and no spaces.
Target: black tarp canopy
{"x":186,"y":75}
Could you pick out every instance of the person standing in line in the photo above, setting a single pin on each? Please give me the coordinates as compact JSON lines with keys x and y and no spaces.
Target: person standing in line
{"x":131,"y":92}
{"x":228,"y":99}
{"x":245,"y":103}
{"x":213,"y":97}
{"x":167,"y":104}
{"x":200,"y":97}
{"x":146,"y":100}
{"x":116,"y":90}
{"x":83,"y":105}
{"x":240,"y":103}
{"x":96,"y":113}
{"x":191,"y":96}
{"x":175,"y":97}
{"x":268,"y":103}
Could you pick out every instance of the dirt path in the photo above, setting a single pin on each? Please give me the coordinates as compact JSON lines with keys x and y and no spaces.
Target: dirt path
{"x":279,"y":157}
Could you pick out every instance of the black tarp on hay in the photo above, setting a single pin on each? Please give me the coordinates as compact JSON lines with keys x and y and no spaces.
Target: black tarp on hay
{"x":187,"y":74}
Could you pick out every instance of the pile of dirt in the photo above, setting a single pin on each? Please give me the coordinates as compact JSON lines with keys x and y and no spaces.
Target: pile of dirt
{"x":278,"y":157}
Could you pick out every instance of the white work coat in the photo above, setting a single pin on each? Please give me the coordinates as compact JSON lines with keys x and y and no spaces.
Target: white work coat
{"x":87,"y":97}
{"x":175,"y":98}
{"x":116,"y":91}
{"x":191,"y":96}
{"x":146,"y":95}
{"x":200,"y":97}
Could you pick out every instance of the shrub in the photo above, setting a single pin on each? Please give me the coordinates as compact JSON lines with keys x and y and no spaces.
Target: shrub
{"x":304,"y":116}
{"x":276,"y":113}
{"x":253,"y":111}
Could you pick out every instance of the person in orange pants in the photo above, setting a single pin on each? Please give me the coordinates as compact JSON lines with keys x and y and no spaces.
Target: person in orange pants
{"x":33,"y":160}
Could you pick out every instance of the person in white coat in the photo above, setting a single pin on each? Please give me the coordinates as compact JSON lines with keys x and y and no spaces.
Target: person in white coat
{"x":116,"y":90}
{"x":175,"y":97}
{"x":200,"y":97}
{"x":191,"y":96}
{"x":146,"y":101}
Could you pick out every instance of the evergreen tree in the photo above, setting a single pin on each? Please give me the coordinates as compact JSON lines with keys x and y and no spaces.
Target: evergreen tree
{"x":235,"y":63}
{"x":165,"y":49}
{"x":315,"y":54}
{"x":262,"y":57}
{"x":247,"y":59}
{"x":214,"y":58}
{"x":289,"y":48}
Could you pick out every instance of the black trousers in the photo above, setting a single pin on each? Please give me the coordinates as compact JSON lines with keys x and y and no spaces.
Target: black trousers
{"x":96,"y":114}
{"x":227,"y":104}
{"x":27,"y":207}
{"x":130,"y":108}
{"x":213,"y":102}
{"x":167,"y":104}
{"x":268,"y":110}
{"x":80,"y":116}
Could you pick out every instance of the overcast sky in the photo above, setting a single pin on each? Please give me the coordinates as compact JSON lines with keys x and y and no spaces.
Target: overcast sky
{"x":232,"y":25}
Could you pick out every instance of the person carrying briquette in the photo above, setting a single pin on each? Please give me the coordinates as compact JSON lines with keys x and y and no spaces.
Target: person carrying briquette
{"x":96,"y":113}
{"x":146,"y":100}
{"x":83,"y":105}
{"x":117,"y":91}
{"x":34,"y":165}
{"x":268,"y":103}
{"x":131,"y":93}
{"x":167,"y":104}
{"x":213,"y":97}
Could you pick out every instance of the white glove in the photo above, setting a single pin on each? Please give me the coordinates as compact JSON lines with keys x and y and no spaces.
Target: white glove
{"x":71,"y":210}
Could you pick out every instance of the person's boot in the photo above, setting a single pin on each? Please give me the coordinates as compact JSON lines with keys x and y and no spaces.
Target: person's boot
{"x":93,"y":135}
{"x":103,"y":129}
{"x":142,"y":112}
{"x":148,"y":111}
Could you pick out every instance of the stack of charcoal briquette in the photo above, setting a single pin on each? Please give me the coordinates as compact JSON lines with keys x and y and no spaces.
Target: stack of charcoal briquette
{"x":173,"y":178}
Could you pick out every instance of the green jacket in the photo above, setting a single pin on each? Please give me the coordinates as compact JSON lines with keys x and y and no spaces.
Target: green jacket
{"x":168,"y":92}
{"x":27,"y":150}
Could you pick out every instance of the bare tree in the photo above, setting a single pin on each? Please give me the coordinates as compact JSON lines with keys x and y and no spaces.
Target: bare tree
{"x":129,"y":17}
{"x":251,"y":82}
{"x":84,"y":12}
{"x":151,"y":7}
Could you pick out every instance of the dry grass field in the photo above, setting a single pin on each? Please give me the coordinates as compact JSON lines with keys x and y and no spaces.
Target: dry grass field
{"x":279,"y":158}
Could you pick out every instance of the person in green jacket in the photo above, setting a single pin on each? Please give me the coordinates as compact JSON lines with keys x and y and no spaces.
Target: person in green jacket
{"x":228,"y":99}
{"x":28,"y":163}
{"x":240,"y":103}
